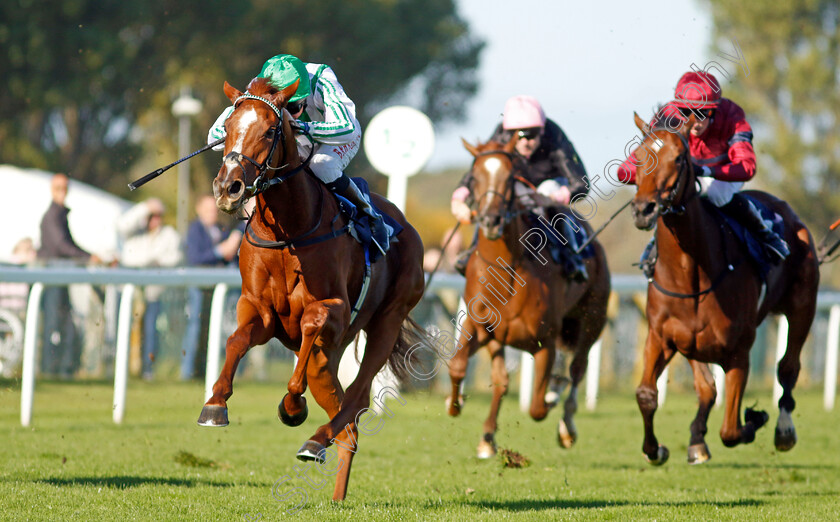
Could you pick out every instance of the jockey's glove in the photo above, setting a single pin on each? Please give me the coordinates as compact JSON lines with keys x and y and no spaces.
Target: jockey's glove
{"x":702,"y":171}
{"x":301,"y":127}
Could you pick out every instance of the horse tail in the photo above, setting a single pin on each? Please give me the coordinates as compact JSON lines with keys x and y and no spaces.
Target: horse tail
{"x":404,"y":357}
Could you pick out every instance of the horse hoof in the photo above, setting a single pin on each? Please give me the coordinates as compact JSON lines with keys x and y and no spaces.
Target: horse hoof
{"x":486,"y":448}
{"x":454,"y":410}
{"x":312,"y":451}
{"x":698,"y":453}
{"x":662,"y":455}
{"x":214,"y":416}
{"x":785,"y":438}
{"x":292,"y":420}
{"x":565,"y":437}
{"x":758,"y":418}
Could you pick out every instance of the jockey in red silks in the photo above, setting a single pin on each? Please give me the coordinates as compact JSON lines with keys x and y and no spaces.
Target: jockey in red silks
{"x":722,"y":156}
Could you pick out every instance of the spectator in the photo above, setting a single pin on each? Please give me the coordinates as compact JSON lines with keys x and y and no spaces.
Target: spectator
{"x":13,"y":296}
{"x":61,"y":354}
{"x":148,"y":243}
{"x":207,"y":244}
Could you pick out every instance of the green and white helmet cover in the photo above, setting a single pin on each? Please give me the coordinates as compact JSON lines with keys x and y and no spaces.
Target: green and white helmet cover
{"x":283,"y":70}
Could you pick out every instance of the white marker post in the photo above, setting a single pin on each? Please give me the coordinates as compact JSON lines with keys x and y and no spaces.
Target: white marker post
{"x":398,"y":142}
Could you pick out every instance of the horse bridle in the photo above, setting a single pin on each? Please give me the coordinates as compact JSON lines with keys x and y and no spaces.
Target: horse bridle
{"x":667,"y":207}
{"x":680,"y":185}
{"x":261,"y":183}
{"x":508,"y":196}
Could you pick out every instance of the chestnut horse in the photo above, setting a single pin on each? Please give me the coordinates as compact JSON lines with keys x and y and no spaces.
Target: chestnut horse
{"x":513,"y":299}
{"x":302,"y":276}
{"x":704,"y":299}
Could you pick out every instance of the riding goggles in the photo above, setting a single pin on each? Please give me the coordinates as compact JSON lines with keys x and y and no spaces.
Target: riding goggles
{"x":529,"y":134}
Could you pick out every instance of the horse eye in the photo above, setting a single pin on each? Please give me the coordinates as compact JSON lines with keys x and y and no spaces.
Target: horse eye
{"x":269,"y":134}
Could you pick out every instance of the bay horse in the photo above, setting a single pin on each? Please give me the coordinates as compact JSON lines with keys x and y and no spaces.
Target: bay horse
{"x":704,"y":298}
{"x":513,"y":299}
{"x":302,"y":278}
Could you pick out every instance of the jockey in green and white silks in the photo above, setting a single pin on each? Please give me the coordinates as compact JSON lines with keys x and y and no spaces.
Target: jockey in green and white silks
{"x":326,"y":120}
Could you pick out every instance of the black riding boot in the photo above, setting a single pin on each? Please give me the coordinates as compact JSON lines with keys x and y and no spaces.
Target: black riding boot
{"x":574,"y":265}
{"x":648,"y":260}
{"x":354,"y":195}
{"x":464,"y":257}
{"x":743,"y":210}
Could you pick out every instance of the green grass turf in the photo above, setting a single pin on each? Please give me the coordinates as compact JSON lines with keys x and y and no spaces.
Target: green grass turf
{"x":74,"y":463}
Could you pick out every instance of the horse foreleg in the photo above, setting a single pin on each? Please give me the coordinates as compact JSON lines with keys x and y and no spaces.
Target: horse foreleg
{"x":499,"y":377}
{"x":704,"y":385}
{"x":251,"y":331}
{"x":466,"y":347}
{"x":543,"y":365}
{"x":655,"y":359}
{"x":320,"y":320}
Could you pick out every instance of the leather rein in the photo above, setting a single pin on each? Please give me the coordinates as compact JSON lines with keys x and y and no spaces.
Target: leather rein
{"x":262,"y":184}
{"x":668,"y":207}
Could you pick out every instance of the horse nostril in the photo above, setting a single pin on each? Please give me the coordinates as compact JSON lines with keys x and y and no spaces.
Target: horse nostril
{"x":649,"y":209}
{"x":235,"y":188}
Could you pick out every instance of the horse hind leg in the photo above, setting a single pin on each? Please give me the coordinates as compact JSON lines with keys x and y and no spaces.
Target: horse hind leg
{"x":704,"y":384}
{"x":251,"y":330}
{"x":732,"y":432}
{"x":800,"y":315}
{"x":499,"y":376}
{"x":343,"y":427}
{"x":580,"y":335}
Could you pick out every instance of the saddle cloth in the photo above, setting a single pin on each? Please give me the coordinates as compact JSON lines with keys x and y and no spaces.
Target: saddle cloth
{"x":755,"y":248}
{"x":580,"y":235}
{"x":359,"y":225}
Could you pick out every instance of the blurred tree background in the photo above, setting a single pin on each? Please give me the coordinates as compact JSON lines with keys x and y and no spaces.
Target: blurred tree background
{"x":89,"y":84}
{"x":791,"y":97}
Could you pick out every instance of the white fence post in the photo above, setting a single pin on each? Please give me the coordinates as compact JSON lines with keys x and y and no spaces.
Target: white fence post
{"x":781,"y":347}
{"x":121,"y":359}
{"x":593,"y":375}
{"x":831,"y":358}
{"x":30,"y":345}
{"x":662,"y":386}
{"x":526,"y":381}
{"x":720,"y":383}
{"x":214,"y":338}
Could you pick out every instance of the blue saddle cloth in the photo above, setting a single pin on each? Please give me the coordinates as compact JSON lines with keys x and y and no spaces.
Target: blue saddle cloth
{"x":580,"y":236}
{"x":361,"y":227}
{"x":755,"y":248}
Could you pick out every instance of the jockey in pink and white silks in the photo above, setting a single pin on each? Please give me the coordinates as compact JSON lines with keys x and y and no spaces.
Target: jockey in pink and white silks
{"x":325,"y":118}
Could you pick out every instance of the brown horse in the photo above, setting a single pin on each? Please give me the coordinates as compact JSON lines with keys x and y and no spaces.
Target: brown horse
{"x":513,"y":299}
{"x":704,"y":299}
{"x":302,"y":277}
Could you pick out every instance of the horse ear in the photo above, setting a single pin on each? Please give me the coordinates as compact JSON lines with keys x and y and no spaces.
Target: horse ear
{"x":640,"y":123}
{"x":232,"y":92}
{"x":511,"y":144}
{"x":289,"y":91}
{"x":686,"y":127}
{"x":471,"y":148}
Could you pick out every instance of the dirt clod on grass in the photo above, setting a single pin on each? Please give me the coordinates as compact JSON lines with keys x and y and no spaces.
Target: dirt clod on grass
{"x":513,"y":459}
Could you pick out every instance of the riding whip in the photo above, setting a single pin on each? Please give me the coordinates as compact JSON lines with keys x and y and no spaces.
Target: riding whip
{"x":442,"y":252}
{"x":152,"y":175}
{"x":595,"y":234}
